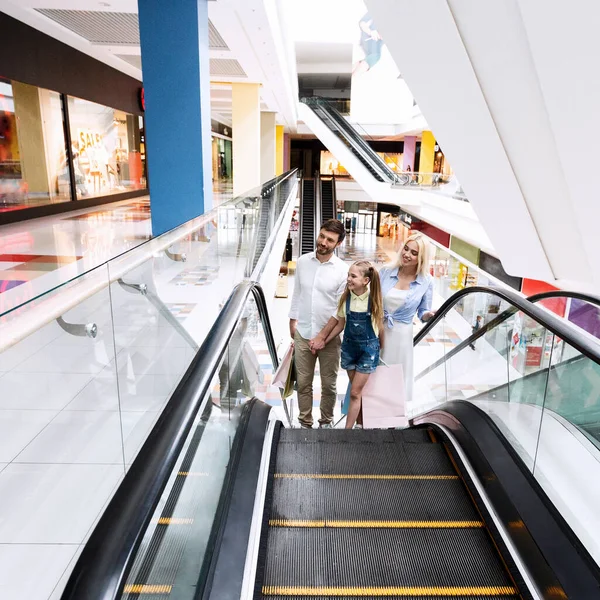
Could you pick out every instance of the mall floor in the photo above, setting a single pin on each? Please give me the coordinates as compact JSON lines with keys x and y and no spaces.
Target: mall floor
{"x":40,"y":254}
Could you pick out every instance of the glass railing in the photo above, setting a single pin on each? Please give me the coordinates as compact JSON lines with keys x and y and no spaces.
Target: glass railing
{"x":87,"y":368}
{"x":176,"y":556}
{"x":158,"y":531}
{"x":389,"y":167}
{"x":537,"y":377}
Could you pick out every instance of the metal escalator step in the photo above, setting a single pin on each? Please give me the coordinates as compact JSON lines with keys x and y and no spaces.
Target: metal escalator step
{"x":380,"y":500}
{"x":356,"y":436}
{"x":381,"y":559}
{"x":388,"y":597}
{"x":351,"y":436}
{"x":377,"y":524}
{"x":363,"y":459}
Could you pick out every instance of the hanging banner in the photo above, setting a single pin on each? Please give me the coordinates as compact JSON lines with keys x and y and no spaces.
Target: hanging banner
{"x":378,"y":92}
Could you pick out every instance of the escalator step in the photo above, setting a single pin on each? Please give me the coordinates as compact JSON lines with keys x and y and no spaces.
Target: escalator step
{"x":363,"y":459}
{"x":387,"y":597}
{"x":356,"y":436}
{"x":379,"y":500}
{"x":371,"y":561}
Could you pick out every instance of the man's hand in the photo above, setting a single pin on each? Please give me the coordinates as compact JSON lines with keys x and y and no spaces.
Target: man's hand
{"x":427,"y":316}
{"x":317,"y":343}
{"x":293,"y":324}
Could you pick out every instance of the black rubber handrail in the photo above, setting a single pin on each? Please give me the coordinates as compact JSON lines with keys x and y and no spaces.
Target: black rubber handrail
{"x":589,"y":298}
{"x":551,"y":322}
{"x":352,"y":136}
{"x":104,"y":565}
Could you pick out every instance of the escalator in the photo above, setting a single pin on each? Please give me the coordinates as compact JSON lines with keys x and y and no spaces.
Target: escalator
{"x":373,"y":512}
{"x":336,"y":122}
{"x":252,"y":508}
{"x":328,"y":205}
{"x":308,"y":217}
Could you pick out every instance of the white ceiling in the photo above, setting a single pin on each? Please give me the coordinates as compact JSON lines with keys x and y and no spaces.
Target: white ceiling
{"x":108,"y":31}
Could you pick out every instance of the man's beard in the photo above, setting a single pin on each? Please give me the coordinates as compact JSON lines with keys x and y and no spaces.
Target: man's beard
{"x":323,"y":251}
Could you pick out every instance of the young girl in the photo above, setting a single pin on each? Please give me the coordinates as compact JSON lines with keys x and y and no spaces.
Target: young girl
{"x":360,"y":315}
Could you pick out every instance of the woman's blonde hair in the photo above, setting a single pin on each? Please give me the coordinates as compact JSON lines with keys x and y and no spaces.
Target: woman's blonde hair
{"x":368,"y":270}
{"x":423,"y":258}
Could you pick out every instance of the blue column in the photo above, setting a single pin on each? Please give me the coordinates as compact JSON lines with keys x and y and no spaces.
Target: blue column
{"x":175,"y":64}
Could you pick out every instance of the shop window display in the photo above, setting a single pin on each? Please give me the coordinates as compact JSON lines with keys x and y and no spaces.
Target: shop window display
{"x":33,"y":165}
{"x":106,"y":149}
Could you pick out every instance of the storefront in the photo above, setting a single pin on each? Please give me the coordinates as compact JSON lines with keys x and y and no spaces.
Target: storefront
{"x":71,"y":128}
{"x":222,"y":155}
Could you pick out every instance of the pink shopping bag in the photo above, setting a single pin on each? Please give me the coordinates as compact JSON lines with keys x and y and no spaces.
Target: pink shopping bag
{"x":282,"y":374}
{"x":384,"y":398}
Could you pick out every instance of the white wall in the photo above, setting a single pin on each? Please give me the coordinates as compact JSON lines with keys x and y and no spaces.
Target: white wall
{"x":517,"y":120}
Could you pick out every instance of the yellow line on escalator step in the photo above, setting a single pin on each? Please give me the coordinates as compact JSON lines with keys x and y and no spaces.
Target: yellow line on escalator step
{"x":192,"y":474}
{"x":139,"y":588}
{"x":337,"y":476}
{"x":174,"y":521}
{"x":378,"y":524}
{"x":450,"y":592}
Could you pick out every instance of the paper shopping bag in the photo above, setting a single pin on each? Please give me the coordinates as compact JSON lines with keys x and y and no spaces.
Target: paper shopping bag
{"x":384,"y":398}
{"x":281,"y":375}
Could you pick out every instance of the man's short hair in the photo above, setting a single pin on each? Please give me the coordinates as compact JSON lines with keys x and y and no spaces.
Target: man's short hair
{"x":335,"y":226}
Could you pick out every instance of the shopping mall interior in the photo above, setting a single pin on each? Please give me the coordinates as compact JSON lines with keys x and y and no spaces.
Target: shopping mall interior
{"x":169,"y":175}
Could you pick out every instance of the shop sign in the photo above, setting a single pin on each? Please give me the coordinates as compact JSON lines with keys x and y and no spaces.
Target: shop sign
{"x":89,"y":139}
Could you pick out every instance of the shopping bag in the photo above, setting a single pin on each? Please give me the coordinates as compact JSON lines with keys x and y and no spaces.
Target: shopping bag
{"x":290,"y":382}
{"x":346,"y":401}
{"x":384,"y":398}
{"x":281,"y":375}
{"x":252,"y":374}
{"x":250,"y":362}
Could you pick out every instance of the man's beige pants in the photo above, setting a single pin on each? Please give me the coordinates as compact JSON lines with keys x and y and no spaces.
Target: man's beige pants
{"x":329,"y":363}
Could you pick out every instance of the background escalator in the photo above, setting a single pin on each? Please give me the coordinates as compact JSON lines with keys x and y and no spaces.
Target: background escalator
{"x":328,"y":208}
{"x":336,"y":122}
{"x":307,"y":217}
{"x":372,"y":513}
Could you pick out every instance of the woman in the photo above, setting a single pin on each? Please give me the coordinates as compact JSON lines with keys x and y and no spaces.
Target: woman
{"x":407,"y":289}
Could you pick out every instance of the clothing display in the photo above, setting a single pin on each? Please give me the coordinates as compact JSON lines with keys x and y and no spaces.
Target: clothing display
{"x":398,"y":340}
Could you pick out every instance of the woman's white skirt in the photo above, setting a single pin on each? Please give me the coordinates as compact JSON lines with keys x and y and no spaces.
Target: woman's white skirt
{"x":398,"y":350}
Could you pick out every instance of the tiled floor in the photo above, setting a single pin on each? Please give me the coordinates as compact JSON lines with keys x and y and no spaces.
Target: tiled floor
{"x":38,"y":255}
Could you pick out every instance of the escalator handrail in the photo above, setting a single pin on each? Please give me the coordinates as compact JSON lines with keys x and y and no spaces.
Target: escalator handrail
{"x":266,"y":252}
{"x":589,"y":298}
{"x":350,"y":131}
{"x":318,"y":210}
{"x":104,"y":565}
{"x":551,"y":322}
{"x":361,"y":146}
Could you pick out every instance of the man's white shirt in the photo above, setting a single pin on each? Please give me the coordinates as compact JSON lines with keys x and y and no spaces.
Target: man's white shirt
{"x":317,"y":290}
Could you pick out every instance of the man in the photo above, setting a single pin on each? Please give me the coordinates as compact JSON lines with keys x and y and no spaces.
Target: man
{"x":320,"y":281}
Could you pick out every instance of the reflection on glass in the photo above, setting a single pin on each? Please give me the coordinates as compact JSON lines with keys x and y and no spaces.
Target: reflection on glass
{"x":106,"y":149}
{"x":33,"y":165}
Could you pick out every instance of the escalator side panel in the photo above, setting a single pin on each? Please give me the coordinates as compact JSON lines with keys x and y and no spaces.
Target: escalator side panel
{"x":231,"y":532}
{"x":547,"y":546}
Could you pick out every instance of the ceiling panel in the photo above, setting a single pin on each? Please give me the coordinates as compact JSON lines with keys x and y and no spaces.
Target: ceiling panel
{"x":134,"y":60}
{"x":215,"y":41}
{"x":226,"y":67}
{"x":99,"y":28}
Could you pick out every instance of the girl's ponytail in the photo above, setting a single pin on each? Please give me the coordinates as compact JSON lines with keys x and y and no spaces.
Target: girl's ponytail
{"x":376,"y":295}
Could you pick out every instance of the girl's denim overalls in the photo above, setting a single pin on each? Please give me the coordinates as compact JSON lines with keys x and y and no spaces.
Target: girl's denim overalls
{"x":360,"y":348}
